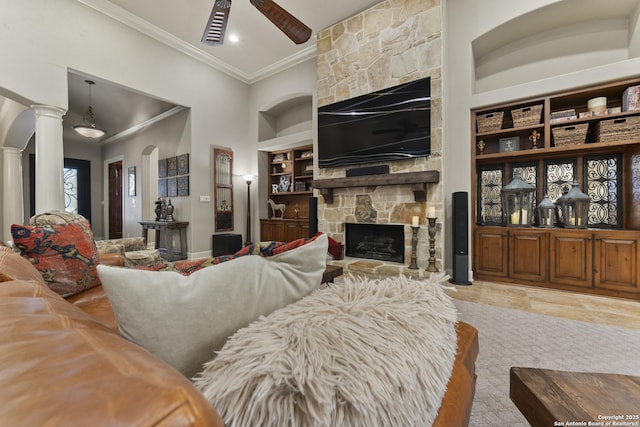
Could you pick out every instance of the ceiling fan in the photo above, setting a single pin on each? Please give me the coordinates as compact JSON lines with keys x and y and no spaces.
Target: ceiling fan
{"x":286,"y":22}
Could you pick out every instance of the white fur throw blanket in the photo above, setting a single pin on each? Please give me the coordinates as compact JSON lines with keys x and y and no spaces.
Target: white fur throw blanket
{"x":363,"y":353}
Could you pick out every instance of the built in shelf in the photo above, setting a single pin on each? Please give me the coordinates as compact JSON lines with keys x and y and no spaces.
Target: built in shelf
{"x":417,"y":180}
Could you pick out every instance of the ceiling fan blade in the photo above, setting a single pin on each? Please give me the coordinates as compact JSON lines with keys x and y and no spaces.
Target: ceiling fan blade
{"x":286,"y":22}
{"x":217,"y":23}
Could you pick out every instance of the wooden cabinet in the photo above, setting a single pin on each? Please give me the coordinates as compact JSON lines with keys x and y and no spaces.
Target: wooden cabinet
{"x":296,"y":230}
{"x":490,"y":251}
{"x":571,"y":258}
{"x":616,"y":258}
{"x":272,"y":230}
{"x":503,"y":253}
{"x":528,"y":255}
{"x":549,"y":141}
{"x":283,"y":230}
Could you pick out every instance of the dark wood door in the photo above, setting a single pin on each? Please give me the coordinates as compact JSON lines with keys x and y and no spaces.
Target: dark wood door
{"x":115,"y":200}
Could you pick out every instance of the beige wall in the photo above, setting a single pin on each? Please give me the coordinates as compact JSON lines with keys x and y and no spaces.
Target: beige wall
{"x":41,"y":41}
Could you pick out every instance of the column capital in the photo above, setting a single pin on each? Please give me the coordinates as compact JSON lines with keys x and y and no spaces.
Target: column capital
{"x":11,"y":150}
{"x":48,"y":111}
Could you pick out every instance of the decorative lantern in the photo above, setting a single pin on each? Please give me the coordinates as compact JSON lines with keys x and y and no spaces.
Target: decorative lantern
{"x":574,"y":207}
{"x":546,"y":212}
{"x":517,"y":203}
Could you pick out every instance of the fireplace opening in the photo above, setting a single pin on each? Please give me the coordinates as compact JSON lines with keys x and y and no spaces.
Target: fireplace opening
{"x":384,"y":242}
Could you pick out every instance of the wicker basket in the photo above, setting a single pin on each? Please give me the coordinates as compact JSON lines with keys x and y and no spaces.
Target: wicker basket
{"x":490,"y":121}
{"x":621,"y":129}
{"x":570,"y":135}
{"x":526,"y":116}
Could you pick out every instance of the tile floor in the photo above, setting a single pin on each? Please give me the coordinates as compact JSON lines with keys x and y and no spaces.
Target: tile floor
{"x":610,"y":311}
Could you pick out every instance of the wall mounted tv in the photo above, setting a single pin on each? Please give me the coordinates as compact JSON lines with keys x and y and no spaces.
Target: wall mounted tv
{"x":390,"y":124}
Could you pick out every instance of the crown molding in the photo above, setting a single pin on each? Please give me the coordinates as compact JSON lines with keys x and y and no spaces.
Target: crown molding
{"x":288,"y":62}
{"x":135,"y":22}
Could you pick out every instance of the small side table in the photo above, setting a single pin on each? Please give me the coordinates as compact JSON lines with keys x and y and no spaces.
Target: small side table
{"x":331,"y":272}
{"x":165,"y":233}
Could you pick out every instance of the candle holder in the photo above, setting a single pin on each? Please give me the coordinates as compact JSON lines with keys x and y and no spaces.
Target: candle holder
{"x":414,"y":246}
{"x":432,"y":245}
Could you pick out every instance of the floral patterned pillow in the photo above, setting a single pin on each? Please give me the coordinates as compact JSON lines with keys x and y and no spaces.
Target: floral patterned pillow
{"x":64,"y":254}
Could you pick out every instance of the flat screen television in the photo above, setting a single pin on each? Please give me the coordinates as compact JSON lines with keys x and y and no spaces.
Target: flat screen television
{"x":390,"y":124}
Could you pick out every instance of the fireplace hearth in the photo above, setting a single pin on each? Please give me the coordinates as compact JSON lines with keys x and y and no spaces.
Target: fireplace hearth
{"x":384,"y":242}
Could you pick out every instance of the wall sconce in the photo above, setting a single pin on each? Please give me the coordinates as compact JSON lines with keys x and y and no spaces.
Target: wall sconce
{"x":546,"y":213}
{"x":574,"y":207}
{"x":517,"y":203}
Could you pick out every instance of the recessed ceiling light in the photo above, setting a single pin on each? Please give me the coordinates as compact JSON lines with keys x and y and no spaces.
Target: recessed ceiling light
{"x":234,"y":38}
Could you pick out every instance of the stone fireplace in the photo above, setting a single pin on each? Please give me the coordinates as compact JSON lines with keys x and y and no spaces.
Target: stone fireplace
{"x":394,"y":42}
{"x":384,"y":242}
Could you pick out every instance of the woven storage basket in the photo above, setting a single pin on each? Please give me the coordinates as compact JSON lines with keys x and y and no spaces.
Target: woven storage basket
{"x":570,"y":135}
{"x":621,"y":129}
{"x":526,"y":116}
{"x":490,"y":121}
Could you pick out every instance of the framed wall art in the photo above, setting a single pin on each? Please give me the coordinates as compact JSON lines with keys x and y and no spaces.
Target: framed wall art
{"x":223,"y":188}
{"x":183,"y":186}
{"x":172,"y":166}
{"x":183,"y":164}
{"x":509,"y":144}
{"x":162,"y":188}
{"x":162,"y":168}
{"x":132,"y":181}
{"x":172,"y":187}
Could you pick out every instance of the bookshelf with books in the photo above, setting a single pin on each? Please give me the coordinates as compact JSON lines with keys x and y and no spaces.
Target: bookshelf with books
{"x":289,"y":189}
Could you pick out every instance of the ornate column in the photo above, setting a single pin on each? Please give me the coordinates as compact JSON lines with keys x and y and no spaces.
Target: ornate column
{"x":12,"y":195}
{"x":49,"y":158}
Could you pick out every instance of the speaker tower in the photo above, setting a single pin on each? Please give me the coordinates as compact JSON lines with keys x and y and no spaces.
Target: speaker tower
{"x":460,"y":202}
{"x":313,"y":216}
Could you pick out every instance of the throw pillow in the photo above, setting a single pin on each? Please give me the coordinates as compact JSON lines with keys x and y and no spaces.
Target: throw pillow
{"x":361,"y":353}
{"x":64,"y":254}
{"x":264,"y":249}
{"x":183,"y":320}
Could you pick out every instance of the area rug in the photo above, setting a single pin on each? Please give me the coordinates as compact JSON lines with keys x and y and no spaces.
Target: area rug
{"x":517,"y":338}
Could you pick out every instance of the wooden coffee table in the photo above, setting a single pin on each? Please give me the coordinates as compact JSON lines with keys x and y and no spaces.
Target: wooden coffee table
{"x":553,"y":398}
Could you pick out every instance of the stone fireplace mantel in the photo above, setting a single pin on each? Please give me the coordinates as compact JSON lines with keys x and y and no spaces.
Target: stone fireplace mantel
{"x":417,"y":180}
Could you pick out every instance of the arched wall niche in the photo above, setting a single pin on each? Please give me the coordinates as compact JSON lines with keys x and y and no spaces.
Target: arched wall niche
{"x":560,"y":38}
{"x":285,"y":116}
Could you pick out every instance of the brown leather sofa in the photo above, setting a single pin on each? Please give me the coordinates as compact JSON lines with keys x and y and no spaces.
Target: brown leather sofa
{"x":63,"y":363}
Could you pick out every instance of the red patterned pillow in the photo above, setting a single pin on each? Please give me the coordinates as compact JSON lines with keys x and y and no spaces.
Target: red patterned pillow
{"x":64,"y":254}
{"x":186,"y":267}
{"x":263,"y":249}
{"x":266,"y":249}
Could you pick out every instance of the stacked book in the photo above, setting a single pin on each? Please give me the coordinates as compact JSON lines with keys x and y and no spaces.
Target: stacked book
{"x":562,"y":116}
